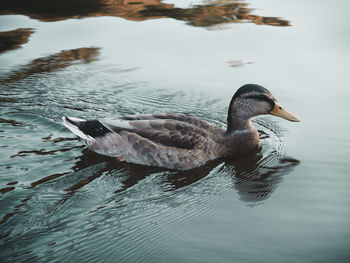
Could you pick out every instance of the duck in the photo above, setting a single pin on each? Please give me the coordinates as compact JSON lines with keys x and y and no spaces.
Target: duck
{"x":179,"y":141}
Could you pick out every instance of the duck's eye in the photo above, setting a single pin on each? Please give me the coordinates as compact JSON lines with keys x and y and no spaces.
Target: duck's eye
{"x":280,"y":107}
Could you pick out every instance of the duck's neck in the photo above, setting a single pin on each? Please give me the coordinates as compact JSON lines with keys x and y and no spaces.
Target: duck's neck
{"x":238,"y":121}
{"x":241,"y":136}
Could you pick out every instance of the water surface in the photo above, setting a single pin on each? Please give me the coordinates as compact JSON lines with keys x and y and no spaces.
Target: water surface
{"x":286,"y":202}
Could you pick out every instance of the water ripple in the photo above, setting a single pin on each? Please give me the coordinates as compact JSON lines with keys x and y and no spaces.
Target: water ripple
{"x":100,"y":207}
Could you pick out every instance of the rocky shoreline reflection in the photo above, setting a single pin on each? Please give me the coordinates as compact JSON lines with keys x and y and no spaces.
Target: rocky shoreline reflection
{"x":209,"y":14}
{"x":14,"y":39}
{"x":53,"y":62}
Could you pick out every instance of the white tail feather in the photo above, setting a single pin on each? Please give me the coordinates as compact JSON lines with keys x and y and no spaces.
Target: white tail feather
{"x":76,"y":130}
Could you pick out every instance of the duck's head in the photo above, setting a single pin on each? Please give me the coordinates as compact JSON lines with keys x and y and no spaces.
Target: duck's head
{"x":252,"y":100}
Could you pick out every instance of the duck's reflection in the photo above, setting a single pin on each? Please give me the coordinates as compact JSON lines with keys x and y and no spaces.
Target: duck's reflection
{"x":254,"y":176}
{"x":206,"y":15}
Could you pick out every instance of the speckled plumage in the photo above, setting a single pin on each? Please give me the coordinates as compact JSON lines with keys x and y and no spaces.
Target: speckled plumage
{"x":177,"y":141}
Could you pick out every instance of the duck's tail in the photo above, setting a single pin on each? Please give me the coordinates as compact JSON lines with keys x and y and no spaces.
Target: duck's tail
{"x":74,"y":124}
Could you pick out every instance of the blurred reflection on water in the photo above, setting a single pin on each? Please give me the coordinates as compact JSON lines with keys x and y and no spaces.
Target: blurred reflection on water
{"x":255,"y":178}
{"x":206,"y":15}
{"x":51,"y":63}
{"x":14,"y":39}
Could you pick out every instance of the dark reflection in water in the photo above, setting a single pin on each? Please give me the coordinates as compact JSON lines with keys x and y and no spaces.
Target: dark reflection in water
{"x":255,"y":177}
{"x":53,"y":62}
{"x":6,"y":189}
{"x":10,"y":40}
{"x":206,"y":15}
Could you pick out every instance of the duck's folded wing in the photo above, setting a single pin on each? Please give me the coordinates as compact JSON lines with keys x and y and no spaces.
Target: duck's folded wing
{"x":172,"y":116}
{"x":165,"y":132}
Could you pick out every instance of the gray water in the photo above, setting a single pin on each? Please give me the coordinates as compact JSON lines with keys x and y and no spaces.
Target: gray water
{"x":286,"y":202}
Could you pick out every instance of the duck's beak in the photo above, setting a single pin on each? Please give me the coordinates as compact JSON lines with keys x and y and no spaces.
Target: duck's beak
{"x":279,"y":111}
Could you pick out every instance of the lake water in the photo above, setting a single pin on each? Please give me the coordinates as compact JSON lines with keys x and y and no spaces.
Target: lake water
{"x":286,"y":202}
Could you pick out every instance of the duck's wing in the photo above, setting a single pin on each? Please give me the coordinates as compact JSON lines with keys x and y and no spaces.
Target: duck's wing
{"x":164,"y":132}
{"x":172,"y":116}
{"x":166,"y":143}
{"x":154,"y":140}
{"x":171,"y":130}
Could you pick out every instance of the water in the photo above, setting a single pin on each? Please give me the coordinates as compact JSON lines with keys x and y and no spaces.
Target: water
{"x":286,"y":202}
